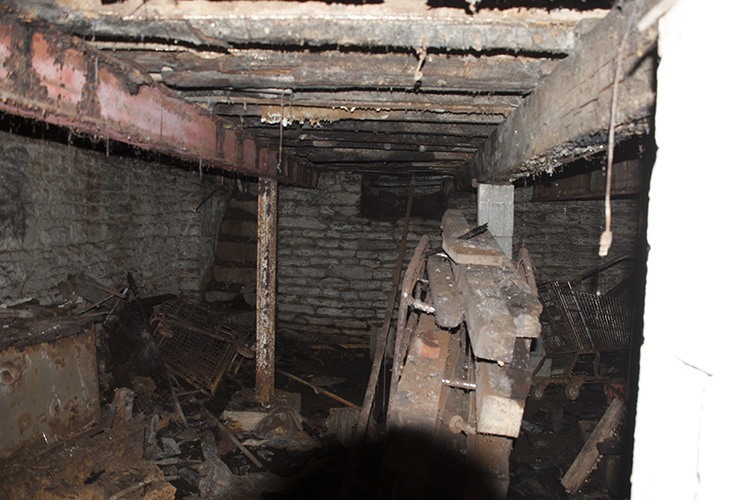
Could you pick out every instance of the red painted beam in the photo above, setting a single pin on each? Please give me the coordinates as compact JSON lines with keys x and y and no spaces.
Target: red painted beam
{"x":59,"y":79}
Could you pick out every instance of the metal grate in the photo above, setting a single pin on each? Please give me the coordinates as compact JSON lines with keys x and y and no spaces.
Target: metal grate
{"x":195,"y":343}
{"x":580,"y":322}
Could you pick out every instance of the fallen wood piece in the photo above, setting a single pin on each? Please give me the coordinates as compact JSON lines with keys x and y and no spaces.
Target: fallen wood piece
{"x":587,"y":458}
{"x":318,"y":389}
{"x":415,"y":403}
{"x":490,"y":325}
{"x":502,"y":392}
{"x":445,"y":294}
{"x":248,"y":454}
{"x":170,"y":379}
{"x":16,"y":313}
{"x":481,"y":249}
{"x":414,"y":410}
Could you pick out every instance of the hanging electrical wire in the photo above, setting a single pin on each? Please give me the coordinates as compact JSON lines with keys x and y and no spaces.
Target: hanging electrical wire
{"x":605,"y":240}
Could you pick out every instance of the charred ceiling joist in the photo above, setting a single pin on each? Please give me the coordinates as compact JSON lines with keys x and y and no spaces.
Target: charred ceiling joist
{"x":568,"y":115}
{"x":59,"y":79}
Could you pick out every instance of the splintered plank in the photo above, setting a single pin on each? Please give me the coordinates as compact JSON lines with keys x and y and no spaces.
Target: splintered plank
{"x":414,"y":410}
{"x":446,"y":298}
{"x":490,"y":325}
{"x":482,"y":249}
{"x":589,"y":454}
{"x":523,"y":304}
{"x":416,"y":402}
{"x":502,"y":392}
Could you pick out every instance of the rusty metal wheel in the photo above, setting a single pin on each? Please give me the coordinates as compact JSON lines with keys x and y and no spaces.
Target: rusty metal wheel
{"x":573,"y":391}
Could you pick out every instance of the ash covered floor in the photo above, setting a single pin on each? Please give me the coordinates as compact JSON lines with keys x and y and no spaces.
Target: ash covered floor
{"x":299,"y":449}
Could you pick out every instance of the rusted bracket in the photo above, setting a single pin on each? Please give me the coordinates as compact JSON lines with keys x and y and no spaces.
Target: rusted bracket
{"x":59,"y":79}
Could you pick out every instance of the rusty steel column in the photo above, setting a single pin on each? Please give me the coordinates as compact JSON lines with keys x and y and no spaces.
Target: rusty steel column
{"x":267,"y":214}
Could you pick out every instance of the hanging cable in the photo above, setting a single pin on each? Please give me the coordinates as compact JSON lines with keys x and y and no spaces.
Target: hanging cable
{"x":605,"y":240}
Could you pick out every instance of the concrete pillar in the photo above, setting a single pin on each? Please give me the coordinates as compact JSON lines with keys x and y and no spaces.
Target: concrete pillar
{"x":495,"y":205}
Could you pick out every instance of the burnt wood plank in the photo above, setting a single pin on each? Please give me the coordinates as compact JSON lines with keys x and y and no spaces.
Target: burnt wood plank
{"x":502,"y":392}
{"x":489,"y":322}
{"x":446,"y":298}
{"x":482,"y":249}
{"x":587,"y":458}
{"x":416,"y":401}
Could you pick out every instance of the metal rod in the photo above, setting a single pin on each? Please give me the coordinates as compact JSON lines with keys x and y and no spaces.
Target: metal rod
{"x":267,"y":200}
{"x":318,"y":389}
{"x":460,"y":384}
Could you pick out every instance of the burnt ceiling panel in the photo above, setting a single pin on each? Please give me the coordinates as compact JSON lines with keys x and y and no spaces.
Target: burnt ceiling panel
{"x":397,"y":87}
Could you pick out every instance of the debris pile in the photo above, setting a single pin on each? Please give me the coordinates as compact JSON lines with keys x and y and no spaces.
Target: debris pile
{"x":175,"y":414}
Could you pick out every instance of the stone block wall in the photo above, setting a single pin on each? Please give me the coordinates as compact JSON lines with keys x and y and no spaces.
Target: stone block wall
{"x":563,"y":236}
{"x":67,"y":210}
{"x":334,"y":266}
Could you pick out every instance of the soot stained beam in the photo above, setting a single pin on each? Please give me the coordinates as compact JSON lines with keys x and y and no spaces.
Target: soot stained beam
{"x":568,"y":115}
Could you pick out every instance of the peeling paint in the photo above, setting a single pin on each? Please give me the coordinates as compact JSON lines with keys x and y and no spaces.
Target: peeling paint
{"x":64,"y":81}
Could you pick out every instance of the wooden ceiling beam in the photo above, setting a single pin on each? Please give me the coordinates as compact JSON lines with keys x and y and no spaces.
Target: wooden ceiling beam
{"x":303,"y":70}
{"x":393,"y":24}
{"x":568,"y":116}
{"x":314,"y":115}
{"x":412,"y":100}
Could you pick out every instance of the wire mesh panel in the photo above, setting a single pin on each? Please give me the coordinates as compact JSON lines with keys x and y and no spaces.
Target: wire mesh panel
{"x":581,"y":322}
{"x":197,"y":344}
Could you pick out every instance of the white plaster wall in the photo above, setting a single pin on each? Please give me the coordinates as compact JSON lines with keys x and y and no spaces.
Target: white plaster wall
{"x":690,"y":438}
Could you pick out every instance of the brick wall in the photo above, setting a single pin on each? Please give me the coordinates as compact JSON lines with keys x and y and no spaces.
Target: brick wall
{"x":334,"y":266}
{"x":563,"y":236}
{"x":66,"y":210}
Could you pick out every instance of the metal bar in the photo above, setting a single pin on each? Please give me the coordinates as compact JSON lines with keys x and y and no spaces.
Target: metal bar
{"x":319,"y":390}
{"x":267,"y":201}
{"x":381,"y":342}
{"x":59,"y":79}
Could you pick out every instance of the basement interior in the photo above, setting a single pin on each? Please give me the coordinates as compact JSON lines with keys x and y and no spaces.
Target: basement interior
{"x":365,"y":249}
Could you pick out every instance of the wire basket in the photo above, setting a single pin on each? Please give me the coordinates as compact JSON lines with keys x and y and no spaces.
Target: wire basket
{"x":581,"y":322}
{"x":195,"y":343}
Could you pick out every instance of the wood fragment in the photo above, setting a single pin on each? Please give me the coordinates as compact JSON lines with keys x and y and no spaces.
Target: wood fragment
{"x":490,"y":325}
{"x":482,"y":249}
{"x":445,"y":294}
{"x":170,"y":380}
{"x":248,"y":454}
{"x":318,"y":389}
{"x":502,"y":392}
{"x":589,"y":455}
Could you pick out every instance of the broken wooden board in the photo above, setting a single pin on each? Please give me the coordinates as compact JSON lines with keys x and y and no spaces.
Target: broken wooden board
{"x":502,"y":392}
{"x":414,"y":410}
{"x":499,"y":306}
{"x":482,"y":249}
{"x":446,"y":298}
{"x":416,"y":401}
{"x":589,"y":454}
{"x":491,"y":476}
{"x":523,"y":304}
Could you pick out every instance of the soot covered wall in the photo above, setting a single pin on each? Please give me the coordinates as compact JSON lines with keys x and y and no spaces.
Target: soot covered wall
{"x":563,"y":236}
{"x":334,"y":265}
{"x":67,"y":210}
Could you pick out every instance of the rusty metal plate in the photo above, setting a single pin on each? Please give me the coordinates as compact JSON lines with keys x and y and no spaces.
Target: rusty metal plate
{"x":49,"y":386}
